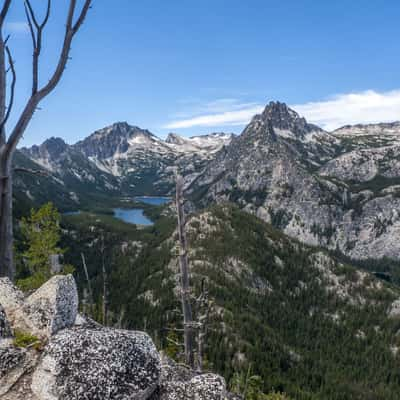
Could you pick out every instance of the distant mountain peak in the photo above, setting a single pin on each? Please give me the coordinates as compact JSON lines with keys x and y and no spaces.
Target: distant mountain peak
{"x":122,"y":129}
{"x":281,"y":117}
{"x":53,"y":147}
{"x":174,"y":138}
{"x":55,"y":141}
{"x":380,"y":129}
{"x":113,"y":139}
{"x":278,"y":119}
{"x":277,"y":110}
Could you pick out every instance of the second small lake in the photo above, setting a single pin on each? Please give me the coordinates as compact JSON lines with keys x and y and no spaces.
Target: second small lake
{"x":153,"y":200}
{"x":132,"y":216}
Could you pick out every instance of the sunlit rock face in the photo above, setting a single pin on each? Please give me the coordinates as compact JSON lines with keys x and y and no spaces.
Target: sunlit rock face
{"x":339,"y":190}
{"x":100,"y":363}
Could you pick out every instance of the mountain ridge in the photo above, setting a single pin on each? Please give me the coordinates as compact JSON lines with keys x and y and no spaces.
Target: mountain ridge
{"x":334,"y":189}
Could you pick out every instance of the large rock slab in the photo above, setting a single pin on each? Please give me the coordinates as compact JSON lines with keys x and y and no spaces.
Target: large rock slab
{"x":54,"y":306}
{"x":180,"y":383}
{"x":200,"y":387}
{"x":97,"y":364}
{"x":10,"y":296}
{"x":14,"y":363}
{"x":11,"y":299}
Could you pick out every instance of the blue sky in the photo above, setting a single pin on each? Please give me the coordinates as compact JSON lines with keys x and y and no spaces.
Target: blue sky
{"x":194,"y":67}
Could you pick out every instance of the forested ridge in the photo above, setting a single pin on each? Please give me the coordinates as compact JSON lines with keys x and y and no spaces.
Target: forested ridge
{"x":308,"y":324}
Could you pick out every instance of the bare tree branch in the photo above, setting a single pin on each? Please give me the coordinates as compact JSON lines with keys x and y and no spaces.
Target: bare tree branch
{"x":175,"y":342}
{"x":29,"y":8}
{"x":12,"y":89}
{"x":82,"y":16}
{"x":36,"y":97}
{"x":36,"y":38}
{"x":3,"y":78}
{"x":4,"y":12}
{"x":30,"y":25}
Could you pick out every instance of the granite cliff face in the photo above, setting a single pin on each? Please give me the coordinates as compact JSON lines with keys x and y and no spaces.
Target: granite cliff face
{"x":75,"y":358}
{"x":338,"y":190}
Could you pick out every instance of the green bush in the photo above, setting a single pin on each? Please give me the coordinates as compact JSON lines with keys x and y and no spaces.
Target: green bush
{"x":24,"y":339}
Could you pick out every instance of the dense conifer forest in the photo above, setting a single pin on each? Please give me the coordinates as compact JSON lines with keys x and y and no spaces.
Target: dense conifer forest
{"x":304,"y":322}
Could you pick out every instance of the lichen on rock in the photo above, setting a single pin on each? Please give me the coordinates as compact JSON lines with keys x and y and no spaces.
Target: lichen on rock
{"x":104,"y":363}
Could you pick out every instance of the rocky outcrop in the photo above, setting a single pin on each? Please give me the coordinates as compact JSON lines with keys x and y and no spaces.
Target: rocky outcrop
{"x":14,"y":364}
{"x":180,"y":383}
{"x":78,"y":359}
{"x":52,"y":307}
{"x":96,"y":364}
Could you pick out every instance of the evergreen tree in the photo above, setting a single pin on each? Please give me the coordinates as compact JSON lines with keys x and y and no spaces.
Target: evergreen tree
{"x":41,"y":232}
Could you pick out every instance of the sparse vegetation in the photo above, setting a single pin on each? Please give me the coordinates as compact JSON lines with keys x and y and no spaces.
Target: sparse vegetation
{"x":24,"y":340}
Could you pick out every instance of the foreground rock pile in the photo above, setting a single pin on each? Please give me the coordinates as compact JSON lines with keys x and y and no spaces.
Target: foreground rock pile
{"x":50,"y":352}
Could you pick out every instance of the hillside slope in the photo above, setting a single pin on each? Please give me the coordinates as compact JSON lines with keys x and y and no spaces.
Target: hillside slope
{"x":308,"y":324}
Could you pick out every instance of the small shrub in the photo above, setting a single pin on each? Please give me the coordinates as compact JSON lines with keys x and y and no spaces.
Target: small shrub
{"x":24,"y":339}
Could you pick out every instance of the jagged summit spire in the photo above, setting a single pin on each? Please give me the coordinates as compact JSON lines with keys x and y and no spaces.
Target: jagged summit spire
{"x":278,"y":111}
{"x":283,"y":121}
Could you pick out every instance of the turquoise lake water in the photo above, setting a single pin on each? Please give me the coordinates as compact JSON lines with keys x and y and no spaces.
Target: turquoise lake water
{"x":155,"y":201}
{"x":132,"y":216}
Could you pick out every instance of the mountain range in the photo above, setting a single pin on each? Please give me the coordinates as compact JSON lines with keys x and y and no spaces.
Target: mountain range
{"x":339,"y":190}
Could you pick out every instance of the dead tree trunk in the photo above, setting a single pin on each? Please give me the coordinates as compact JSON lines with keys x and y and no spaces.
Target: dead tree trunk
{"x":184,"y":269}
{"x":203,"y":309}
{"x":89,"y":285}
{"x":7,"y":267}
{"x":105,"y":284}
{"x":9,"y":144}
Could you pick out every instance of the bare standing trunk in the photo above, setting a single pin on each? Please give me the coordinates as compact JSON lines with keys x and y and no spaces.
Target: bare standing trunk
{"x":184,"y":269}
{"x":6,"y":227}
{"x":203,"y":309}
{"x":105,"y":283}
{"x":9,"y":144}
{"x":89,"y":285}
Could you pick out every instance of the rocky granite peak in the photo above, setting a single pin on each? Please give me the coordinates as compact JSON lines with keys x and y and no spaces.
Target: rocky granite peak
{"x":50,"y":148}
{"x":112,"y":140}
{"x":285,"y":121}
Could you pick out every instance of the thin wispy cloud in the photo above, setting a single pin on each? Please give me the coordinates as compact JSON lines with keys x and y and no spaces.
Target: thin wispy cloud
{"x":229,"y":112}
{"x":195,"y":108}
{"x":352,"y":108}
